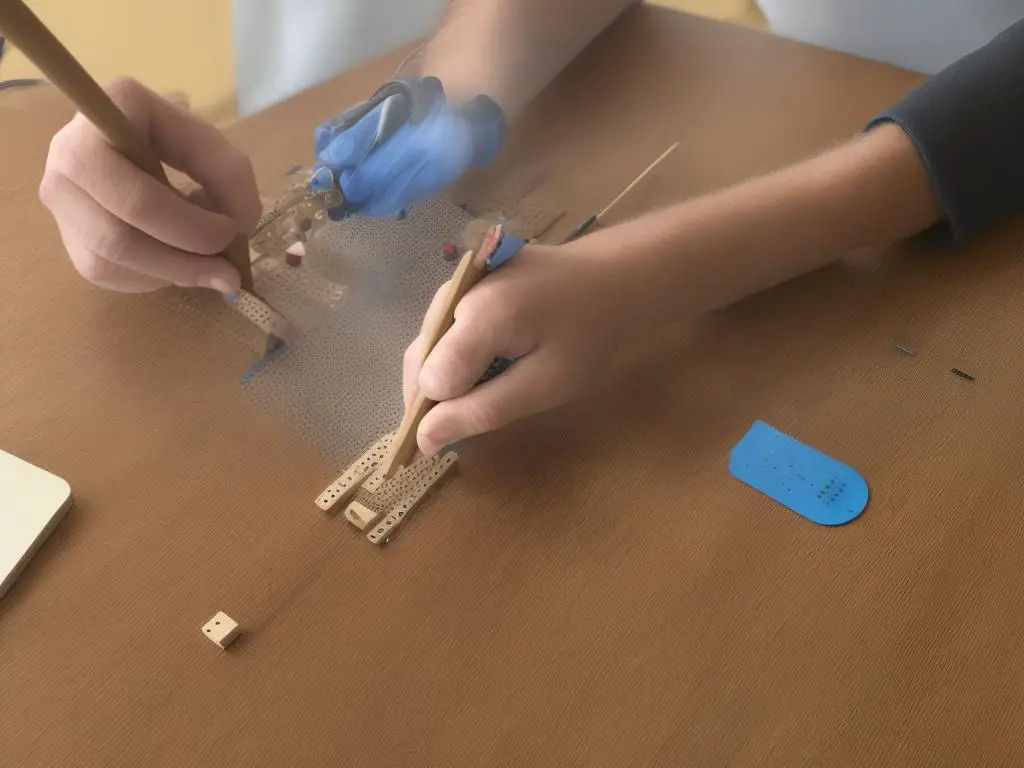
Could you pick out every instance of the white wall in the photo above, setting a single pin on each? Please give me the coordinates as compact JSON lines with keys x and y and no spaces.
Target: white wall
{"x":285,"y":46}
{"x":921,"y":35}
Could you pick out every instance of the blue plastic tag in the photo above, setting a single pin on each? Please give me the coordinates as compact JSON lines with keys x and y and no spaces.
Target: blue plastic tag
{"x":801,"y":478}
{"x":508,"y":246}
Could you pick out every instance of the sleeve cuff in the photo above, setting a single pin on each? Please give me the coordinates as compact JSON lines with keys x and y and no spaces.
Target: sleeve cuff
{"x":967,"y":123}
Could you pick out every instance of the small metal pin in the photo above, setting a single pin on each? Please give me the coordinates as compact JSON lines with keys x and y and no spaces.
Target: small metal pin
{"x":908,"y":351}
{"x":962,"y":374}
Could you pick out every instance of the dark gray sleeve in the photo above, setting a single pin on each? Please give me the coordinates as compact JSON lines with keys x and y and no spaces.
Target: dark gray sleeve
{"x":968,"y":125}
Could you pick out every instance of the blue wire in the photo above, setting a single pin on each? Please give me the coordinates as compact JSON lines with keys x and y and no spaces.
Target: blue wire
{"x":5,"y":84}
{"x":18,"y":83}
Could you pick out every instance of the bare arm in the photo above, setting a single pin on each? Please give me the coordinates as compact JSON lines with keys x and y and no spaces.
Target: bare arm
{"x":948,"y":157}
{"x":511,"y":50}
{"x":706,"y":253}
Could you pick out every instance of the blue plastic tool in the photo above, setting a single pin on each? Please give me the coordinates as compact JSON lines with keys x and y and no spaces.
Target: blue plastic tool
{"x":803,"y":479}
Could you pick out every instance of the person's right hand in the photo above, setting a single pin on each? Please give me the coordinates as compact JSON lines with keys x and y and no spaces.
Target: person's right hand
{"x":561,"y":312}
{"x":126,"y":231}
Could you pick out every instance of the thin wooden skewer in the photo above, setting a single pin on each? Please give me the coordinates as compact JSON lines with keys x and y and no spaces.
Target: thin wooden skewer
{"x":598,"y":218}
{"x":25,"y":30}
{"x":607,"y":209}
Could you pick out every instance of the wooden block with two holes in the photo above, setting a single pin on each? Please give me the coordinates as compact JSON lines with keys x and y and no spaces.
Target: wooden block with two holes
{"x":221,"y":629}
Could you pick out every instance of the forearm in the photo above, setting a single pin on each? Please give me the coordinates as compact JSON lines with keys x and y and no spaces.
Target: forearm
{"x":511,"y":50}
{"x":951,"y":154}
{"x":714,"y":250}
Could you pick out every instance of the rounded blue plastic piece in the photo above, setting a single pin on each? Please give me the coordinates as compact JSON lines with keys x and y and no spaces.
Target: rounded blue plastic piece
{"x":508,"y":247}
{"x":803,"y":479}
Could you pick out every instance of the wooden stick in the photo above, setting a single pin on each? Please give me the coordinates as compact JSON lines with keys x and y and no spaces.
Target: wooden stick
{"x":471,"y":268}
{"x":24,"y":29}
{"x":607,"y":209}
{"x":597,"y":218}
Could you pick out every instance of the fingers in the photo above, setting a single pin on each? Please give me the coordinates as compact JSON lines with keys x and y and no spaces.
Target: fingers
{"x":194,"y":146}
{"x":106,"y":274}
{"x":530,"y":386}
{"x":415,"y":353}
{"x":81,"y":155}
{"x":126,"y":230}
{"x":460,"y":358}
{"x":106,"y":250}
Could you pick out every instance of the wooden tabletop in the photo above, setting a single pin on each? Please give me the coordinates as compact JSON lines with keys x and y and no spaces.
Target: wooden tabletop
{"x":593,"y":588}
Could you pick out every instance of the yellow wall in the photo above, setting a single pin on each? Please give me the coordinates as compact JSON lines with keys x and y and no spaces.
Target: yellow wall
{"x":187,"y":45}
{"x":738,"y":11}
{"x":183,"y":45}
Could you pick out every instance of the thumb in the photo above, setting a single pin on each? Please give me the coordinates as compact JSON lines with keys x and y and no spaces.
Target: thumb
{"x":530,"y":386}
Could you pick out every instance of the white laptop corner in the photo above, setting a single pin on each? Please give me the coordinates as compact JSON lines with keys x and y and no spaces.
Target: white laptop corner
{"x":32,"y":503}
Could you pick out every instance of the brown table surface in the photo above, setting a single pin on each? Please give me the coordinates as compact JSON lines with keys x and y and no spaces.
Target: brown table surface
{"x":593,"y":588}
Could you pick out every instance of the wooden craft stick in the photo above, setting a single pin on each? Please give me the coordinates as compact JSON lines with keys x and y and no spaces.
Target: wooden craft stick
{"x":468,"y":274}
{"x":607,"y":209}
{"x":25,"y":30}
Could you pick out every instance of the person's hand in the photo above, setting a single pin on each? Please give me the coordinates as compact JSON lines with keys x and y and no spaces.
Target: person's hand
{"x":406,"y":149}
{"x":127,"y":231}
{"x":559,"y":311}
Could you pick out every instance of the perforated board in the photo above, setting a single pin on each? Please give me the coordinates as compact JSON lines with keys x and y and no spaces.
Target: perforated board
{"x":353,"y":305}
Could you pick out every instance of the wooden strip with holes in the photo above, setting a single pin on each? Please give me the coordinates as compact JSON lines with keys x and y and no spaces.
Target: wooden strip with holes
{"x":342,"y":489}
{"x":260,"y":313}
{"x":374,"y":481}
{"x":400,"y":513}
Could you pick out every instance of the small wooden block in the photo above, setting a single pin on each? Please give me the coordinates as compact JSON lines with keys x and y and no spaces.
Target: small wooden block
{"x":341,"y":490}
{"x":361,"y":516}
{"x":432,"y":475}
{"x":221,"y":629}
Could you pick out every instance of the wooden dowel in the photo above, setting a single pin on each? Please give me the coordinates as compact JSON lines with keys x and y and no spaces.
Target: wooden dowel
{"x":26,"y":31}
{"x":607,"y":209}
{"x":469,"y":272}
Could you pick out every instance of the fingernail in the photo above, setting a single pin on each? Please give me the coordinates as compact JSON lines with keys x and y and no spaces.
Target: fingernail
{"x":218,"y":283}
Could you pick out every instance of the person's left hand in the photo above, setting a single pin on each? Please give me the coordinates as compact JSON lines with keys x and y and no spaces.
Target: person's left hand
{"x":419,"y":155}
{"x":559,"y":310}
